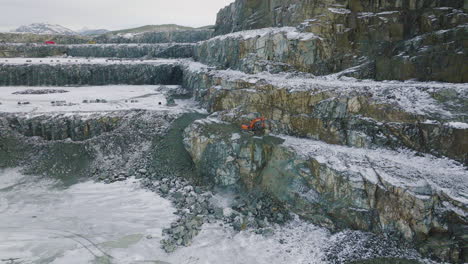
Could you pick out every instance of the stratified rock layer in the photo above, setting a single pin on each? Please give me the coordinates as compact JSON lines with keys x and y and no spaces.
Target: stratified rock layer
{"x":346,"y":112}
{"x":49,"y":72}
{"x":419,"y":198}
{"x":180,"y":36}
{"x":380,"y":39}
{"x":96,"y":144}
{"x":98,"y":50}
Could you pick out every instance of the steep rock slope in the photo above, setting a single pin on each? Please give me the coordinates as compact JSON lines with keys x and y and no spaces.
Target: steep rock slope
{"x":380,"y":179}
{"x":421,"y":199}
{"x":163,"y":50}
{"x":381,"y":40}
{"x":253,"y":14}
{"x":425,"y":117}
{"x":59,"y":72}
{"x":178,"y":36}
{"x":41,"y":38}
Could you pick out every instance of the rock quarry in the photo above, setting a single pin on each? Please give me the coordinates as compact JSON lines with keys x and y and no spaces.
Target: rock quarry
{"x":366,"y":105}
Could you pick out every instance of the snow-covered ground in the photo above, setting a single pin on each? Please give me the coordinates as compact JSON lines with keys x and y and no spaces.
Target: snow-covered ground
{"x":44,"y":222}
{"x":411,"y":96}
{"x":72,"y":61}
{"x":290,"y":32}
{"x":421,"y":175}
{"x":117,"y":97}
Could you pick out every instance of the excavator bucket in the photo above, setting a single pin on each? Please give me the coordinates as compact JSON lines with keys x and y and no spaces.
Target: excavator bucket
{"x":245,"y":127}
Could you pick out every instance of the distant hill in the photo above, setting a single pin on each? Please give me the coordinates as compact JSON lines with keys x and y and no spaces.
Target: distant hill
{"x":207,"y":27}
{"x":44,"y":28}
{"x":93,"y":32}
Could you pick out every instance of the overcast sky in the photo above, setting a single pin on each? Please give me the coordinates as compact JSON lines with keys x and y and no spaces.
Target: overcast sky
{"x":109,"y":14}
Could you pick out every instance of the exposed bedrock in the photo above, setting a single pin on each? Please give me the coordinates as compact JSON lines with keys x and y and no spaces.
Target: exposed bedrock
{"x":96,"y":145}
{"x":41,"y":38}
{"x":380,"y":40}
{"x":89,"y":73}
{"x":60,"y":127}
{"x":359,"y":114}
{"x":182,"y":36}
{"x":173,"y":50}
{"x":253,"y":14}
{"x":420,"y":198}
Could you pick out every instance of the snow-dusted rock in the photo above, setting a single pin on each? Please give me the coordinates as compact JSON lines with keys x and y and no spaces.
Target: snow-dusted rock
{"x":399,"y":192}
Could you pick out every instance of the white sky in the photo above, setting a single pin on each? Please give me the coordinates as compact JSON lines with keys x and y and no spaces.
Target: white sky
{"x":109,"y":14}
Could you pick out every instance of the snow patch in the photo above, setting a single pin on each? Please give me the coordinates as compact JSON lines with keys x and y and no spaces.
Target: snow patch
{"x":458,"y":125}
{"x":342,"y":11}
{"x":290,"y":33}
{"x":83,"y":99}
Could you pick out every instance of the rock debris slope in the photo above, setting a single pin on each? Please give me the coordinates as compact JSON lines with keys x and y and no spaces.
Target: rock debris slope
{"x":355,"y":138}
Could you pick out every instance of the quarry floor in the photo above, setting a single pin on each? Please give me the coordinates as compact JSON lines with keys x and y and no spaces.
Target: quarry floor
{"x":45,"y":221}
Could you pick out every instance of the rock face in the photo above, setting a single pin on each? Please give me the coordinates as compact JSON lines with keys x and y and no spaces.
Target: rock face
{"x":272,"y":49}
{"x":364,"y":115}
{"x":179,"y":36}
{"x":98,"y":50}
{"x":381,"y":40}
{"x":95,"y":145}
{"x":253,"y":14}
{"x":61,"y":127}
{"x":40,"y":38}
{"x":342,"y":187}
{"x":364,"y":165}
{"x":89,"y":74}
{"x":381,"y":156}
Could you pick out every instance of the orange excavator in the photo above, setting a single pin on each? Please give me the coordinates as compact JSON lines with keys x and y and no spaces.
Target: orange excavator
{"x":257,"y":126}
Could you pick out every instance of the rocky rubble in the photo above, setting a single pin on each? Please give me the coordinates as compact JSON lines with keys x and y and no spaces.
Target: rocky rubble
{"x":41,"y":91}
{"x":196,"y":205}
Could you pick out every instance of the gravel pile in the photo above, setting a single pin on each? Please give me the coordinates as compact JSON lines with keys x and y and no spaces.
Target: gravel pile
{"x":197,"y":205}
{"x":41,"y":91}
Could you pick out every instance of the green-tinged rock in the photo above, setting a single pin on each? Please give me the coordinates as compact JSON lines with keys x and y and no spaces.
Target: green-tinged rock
{"x":382,"y":191}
